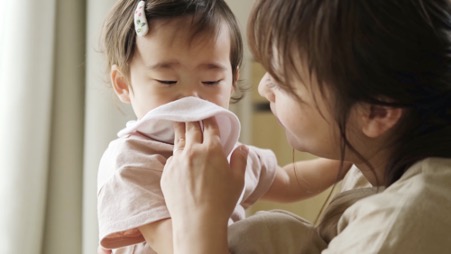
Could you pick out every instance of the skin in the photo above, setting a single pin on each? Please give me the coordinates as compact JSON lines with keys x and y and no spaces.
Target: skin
{"x":167,"y":66}
{"x":314,"y":175}
{"x":209,"y":213}
{"x":313,"y":129}
{"x":191,"y":209}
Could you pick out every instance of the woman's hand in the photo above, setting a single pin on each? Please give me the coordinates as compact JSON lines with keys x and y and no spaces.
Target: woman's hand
{"x":201,"y":188}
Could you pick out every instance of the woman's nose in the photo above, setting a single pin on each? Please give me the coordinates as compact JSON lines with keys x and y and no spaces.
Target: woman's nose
{"x":264,"y":87}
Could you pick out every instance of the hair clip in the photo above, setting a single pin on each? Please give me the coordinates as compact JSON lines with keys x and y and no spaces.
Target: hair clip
{"x":141,"y":26}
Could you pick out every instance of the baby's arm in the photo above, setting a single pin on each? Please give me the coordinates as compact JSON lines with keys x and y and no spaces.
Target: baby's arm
{"x":305,"y":179}
{"x":159,"y":235}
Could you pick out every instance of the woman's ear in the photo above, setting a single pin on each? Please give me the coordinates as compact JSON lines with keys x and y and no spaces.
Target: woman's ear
{"x":120,"y":84}
{"x":378,"y":119}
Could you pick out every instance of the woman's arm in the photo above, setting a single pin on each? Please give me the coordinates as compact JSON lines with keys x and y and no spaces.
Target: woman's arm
{"x":304,"y":179}
{"x":201,"y":188}
{"x":203,"y":235}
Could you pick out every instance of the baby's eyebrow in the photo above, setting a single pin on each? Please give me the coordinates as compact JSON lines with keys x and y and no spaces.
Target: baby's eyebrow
{"x":175,"y":64}
{"x":164,"y":65}
{"x":212,"y":66}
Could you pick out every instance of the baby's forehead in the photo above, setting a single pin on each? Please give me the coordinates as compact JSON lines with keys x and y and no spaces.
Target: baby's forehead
{"x":190,"y":27}
{"x":178,"y":40}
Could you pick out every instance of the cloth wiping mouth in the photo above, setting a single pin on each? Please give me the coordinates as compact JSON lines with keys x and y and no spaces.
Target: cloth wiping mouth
{"x":158,"y":123}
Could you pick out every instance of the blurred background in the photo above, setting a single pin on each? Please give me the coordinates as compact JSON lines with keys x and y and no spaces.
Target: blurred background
{"x":58,"y":113}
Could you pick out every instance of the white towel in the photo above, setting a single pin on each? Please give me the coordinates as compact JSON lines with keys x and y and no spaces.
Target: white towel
{"x":158,"y":123}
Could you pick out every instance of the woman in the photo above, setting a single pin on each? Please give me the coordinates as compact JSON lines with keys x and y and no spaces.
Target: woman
{"x":369,"y":82}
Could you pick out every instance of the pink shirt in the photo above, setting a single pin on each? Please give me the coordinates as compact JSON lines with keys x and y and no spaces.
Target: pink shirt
{"x":129,"y":193}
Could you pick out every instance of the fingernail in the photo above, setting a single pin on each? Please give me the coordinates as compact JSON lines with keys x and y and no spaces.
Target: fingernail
{"x":244,"y":149}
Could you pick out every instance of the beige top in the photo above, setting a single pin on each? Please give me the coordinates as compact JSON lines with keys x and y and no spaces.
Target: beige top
{"x":412,"y":216}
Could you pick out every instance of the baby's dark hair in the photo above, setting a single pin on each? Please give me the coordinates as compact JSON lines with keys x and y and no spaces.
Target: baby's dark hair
{"x":119,"y":37}
{"x":394,"y":53}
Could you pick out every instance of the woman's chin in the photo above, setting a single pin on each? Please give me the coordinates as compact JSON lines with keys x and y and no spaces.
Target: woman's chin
{"x":305,"y":148}
{"x":292,"y":141}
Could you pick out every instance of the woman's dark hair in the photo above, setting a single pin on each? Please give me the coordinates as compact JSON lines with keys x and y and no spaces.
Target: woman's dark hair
{"x":119,"y":36}
{"x":394,"y":53}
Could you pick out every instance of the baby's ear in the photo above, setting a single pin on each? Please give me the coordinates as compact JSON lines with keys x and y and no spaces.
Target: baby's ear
{"x":378,"y":119}
{"x":120,"y":84}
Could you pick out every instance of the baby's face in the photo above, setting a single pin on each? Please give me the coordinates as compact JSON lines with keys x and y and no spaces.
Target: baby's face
{"x":168,"y":64}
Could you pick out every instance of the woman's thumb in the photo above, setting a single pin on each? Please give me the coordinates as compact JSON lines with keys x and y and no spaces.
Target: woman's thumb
{"x":238,"y":160}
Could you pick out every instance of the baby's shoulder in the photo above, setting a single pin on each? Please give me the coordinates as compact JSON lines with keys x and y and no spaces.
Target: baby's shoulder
{"x":138,"y":148}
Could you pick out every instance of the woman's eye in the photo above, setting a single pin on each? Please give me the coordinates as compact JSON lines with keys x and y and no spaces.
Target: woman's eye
{"x":211,"y":83}
{"x":166,"y":82}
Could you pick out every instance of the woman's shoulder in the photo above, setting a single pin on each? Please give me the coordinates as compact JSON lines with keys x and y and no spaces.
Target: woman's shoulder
{"x":429,"y":167}
{"x":354,"y":179}
{"x":410,"y":216}
{"x":425,"y":181}
{"x":424,"y":189}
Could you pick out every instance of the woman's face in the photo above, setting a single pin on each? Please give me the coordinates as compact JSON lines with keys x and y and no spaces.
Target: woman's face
{"x":305,"y":115}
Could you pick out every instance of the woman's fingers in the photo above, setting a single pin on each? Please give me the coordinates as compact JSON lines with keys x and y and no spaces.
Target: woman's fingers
{"x":193,"y":133}
{"x":211,"y":130}
{"x":211,"y":134}
{"x":238,"y":161}
{"x":202,"y":179}
{"x":179,"y":137}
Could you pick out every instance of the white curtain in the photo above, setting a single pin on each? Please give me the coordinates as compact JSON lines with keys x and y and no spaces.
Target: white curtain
{"x":57,"y":115}
{"x":104,"y":116}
